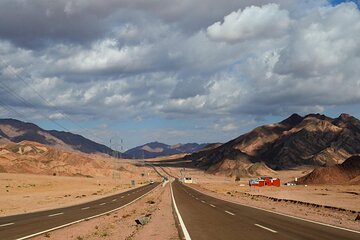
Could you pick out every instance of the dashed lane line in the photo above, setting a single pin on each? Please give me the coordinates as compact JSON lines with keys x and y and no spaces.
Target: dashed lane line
{"x":102,"y":204}
{"x":84,"y":208}
{"x":269,"y":229}
{"x":212,"y":205}
{"x":230,"y":213}
{"x":55,"y":214}
{"x":6,"y":224}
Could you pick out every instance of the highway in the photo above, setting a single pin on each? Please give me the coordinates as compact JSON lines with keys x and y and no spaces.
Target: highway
{"x":28,"y":225}
{"x":205,"y":217}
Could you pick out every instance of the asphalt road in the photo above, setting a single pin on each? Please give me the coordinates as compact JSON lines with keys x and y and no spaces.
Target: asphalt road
{"x":210,"y":218}
{"x":25,"y":225}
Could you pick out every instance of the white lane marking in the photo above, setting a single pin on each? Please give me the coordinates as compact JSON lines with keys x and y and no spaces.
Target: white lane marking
{"x":269,"y":229}
{"x":6,"y":224}
{"x":114,"y":200}
{"x":212,"y":205}
{"x":84,"y":208}
{"x":182,"y":224}
{"x":203,"y":201}
{"x":122,"y":197}
{"x":197,"y":198}
{"x":84,"y":219}
{"x":281,"y":214}
{"x":102,"y":204}
{"x":55,"y":214}
{"x":230,"y":213}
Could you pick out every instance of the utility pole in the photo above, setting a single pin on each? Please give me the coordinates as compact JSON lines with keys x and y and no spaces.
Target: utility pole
{"x":116,"y":154}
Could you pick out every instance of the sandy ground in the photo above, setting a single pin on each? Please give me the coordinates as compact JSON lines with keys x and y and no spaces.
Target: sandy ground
{"x":23,"y":193}
{"x":121,"y":224}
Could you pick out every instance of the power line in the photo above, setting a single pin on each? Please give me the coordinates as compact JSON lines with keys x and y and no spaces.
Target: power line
{"x":14,"y":74}
{"x":8,"y":108}
{"x":30,"y":105}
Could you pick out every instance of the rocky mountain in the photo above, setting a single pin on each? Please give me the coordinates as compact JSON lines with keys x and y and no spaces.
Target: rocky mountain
{"x":310,"y":140}
{"x":16,"y":131}
{"x":156,"y":149}
{"x":35,"y":158}
{"x":346,"y":173}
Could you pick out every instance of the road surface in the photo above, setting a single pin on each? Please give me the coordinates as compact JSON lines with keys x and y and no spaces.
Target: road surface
{"x":210,"y":218}
{"x":26,"y":225}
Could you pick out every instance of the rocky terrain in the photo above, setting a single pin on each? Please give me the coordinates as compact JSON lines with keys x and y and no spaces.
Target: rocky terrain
{"x":156,"y":149}
{"x":315,"y":140}
{"x":36,"y":158}
{"x":12,"y":130}
{"x":346,"y":173}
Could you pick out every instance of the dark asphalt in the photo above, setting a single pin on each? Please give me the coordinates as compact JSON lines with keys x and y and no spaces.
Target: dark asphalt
{"x":210,"y":218}
{"x":19,"y":226}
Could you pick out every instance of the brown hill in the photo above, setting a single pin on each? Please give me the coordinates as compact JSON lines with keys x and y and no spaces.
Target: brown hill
{"x":36,"y":158}
{"x":314,"y":139}
{"x":12,"y":130}
{"x":346,"y":173}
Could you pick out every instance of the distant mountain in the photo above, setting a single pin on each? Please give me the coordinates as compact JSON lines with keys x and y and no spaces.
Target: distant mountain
{"x":156,"y":149}
{"x":310,"y":140}
{"x":346,"y":173}
{"x":18,"y":131}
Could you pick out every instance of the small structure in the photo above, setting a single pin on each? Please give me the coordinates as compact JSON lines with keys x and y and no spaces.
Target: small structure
{"x":257,"y":182}
{"x":188,"y":180}
{"x":265,"y":181}
{"x":269,"y":181}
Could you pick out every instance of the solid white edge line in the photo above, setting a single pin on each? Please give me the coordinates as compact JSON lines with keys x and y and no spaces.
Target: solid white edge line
{"x":6,"y":224}
{"x":269,"y":229}
{"x":282,"y":214}
{"x":182,"y":224}
{"x":84,"y":219}
{"x":55,"y":214}
{"x":230,"y":213}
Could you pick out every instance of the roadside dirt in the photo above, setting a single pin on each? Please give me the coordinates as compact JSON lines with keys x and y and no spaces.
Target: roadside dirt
{"x":121,"y":224}
{"x":24,"y":193}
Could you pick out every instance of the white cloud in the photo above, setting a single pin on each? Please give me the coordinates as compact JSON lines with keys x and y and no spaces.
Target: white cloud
{"x":268,"y":21}
{"x":290,"y":56}
{"x":57,"y":116}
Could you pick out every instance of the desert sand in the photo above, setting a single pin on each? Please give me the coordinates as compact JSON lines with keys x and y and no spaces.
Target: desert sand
{"x":23,"y":193}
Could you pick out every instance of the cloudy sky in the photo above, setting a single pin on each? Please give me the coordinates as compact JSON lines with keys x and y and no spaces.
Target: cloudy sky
{"x":176,"y":71}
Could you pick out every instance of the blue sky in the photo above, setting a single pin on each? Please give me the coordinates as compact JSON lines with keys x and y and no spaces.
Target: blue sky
{"x":141,"y":72}
{"x":336,"y":2}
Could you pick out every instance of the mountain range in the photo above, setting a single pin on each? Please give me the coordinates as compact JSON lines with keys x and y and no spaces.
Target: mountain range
{"x":157,"y":149}
{"x":16,"y":131}
{"x":313,"y":139}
